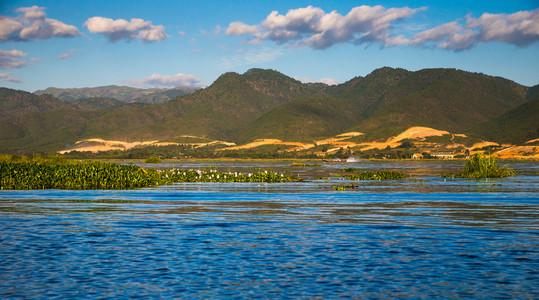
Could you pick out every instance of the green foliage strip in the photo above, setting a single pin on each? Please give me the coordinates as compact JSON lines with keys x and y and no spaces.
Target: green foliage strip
{"x":98,"y":175}
{"x":377,"y":175}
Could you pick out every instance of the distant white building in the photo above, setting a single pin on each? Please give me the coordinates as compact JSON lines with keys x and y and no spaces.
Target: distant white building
{"x":442,"y":155}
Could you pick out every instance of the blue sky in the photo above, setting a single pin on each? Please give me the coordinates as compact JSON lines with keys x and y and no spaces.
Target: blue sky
{"x":171,"y":43}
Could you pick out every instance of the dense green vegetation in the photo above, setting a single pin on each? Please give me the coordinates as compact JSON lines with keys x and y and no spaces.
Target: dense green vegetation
{"x":74,"y":176}
{"x":480,"y":166}
{"x":23,"y":173}
{"x":376,"y":175}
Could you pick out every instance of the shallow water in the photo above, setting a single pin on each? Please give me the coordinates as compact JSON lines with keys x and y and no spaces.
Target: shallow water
{"x":421,"y":237}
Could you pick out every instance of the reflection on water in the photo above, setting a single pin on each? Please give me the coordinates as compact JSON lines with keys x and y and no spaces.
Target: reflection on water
{"x":418,"y":239}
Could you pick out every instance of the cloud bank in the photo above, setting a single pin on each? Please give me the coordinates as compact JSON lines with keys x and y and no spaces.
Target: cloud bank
{"x":165,"y":81}
{"x":32,"y":24}
{"x":313,"y":27}
{"x":120,"y":29}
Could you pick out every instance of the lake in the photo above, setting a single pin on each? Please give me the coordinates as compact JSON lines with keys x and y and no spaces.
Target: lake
{"x":421,"y":237}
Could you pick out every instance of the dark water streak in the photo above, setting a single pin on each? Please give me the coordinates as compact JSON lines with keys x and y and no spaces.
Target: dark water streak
{"x":441,"y":239}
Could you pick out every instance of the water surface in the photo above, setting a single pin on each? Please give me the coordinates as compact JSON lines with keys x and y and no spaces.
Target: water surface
{"x":422,"y":237}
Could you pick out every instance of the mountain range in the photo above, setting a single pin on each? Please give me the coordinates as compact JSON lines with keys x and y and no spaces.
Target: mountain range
{"x":266,"y":104}
{"x":121,"y":93}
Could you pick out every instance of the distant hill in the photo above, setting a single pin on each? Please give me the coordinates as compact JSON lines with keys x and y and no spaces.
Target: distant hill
{"x":517,"y":126}
{"x":121,"y":93}
{"x":14,"y":103}
{"x":261,"y":104}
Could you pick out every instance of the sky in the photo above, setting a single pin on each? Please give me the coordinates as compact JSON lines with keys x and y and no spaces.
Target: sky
{"x":164,"y":44}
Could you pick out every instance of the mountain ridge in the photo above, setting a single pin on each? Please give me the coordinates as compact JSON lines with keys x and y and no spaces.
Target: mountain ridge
{"x":121,"y":93}
{"x":262,"y":104}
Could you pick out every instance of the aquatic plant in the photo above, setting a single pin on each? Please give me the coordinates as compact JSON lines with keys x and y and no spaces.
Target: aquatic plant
{"x":377,"y":175}
{"x":74,"y":176}
{"x":99,"y":175}
{"x":153,"y":160}
{"x":176,"y":176}
{"x":480,"y":166}
{"x":295,"y":164}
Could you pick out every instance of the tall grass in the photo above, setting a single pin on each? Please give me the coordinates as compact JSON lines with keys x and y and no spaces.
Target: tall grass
{"x":480,"y":166}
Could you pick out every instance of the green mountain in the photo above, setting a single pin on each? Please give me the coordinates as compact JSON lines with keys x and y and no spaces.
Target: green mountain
{"x":267,"y":104}
{"x":517,"y":126}
{"x":301,"y":120}
{"x":122,"y":93}
{"x":442,"y":98}
{"x":220,"y":111}
{"x":14,"y":103}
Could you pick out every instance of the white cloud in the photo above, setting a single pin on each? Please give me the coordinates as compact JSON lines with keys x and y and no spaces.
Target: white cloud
{"x":166,"y":81}
{"x":119,"y":29}
{"x":326,"y":80}
{"x":312,"y":27}
{"x":34,"y":25}
{"x":520,"y":29}
{"x":12,"y":53}
{"x":69,"y":54}
{"x":9,"y":28}
{"x":239,"y":28}
{"x":34,"y":12}
{"x":10,"y":59}
{"x":7,"y":77}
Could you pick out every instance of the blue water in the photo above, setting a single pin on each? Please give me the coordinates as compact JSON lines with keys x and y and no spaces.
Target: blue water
{"x":422,"y":237}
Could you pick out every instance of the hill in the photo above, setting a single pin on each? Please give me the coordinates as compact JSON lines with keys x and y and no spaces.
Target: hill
{"x":265,"y":104}
{"x":516,"y":126}
{"x":14,"y":103}
{"x":121,"y":93}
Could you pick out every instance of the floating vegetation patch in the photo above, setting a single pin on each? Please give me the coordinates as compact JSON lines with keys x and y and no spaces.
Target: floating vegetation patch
{"x":99,"y":175}
{"x":74,"y":176}
{"x":376,"y":175}
{"x":480,"y":166}
{"x":304,"y":165}
{"x":177,"y":176}
{"x":344,"y":187}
